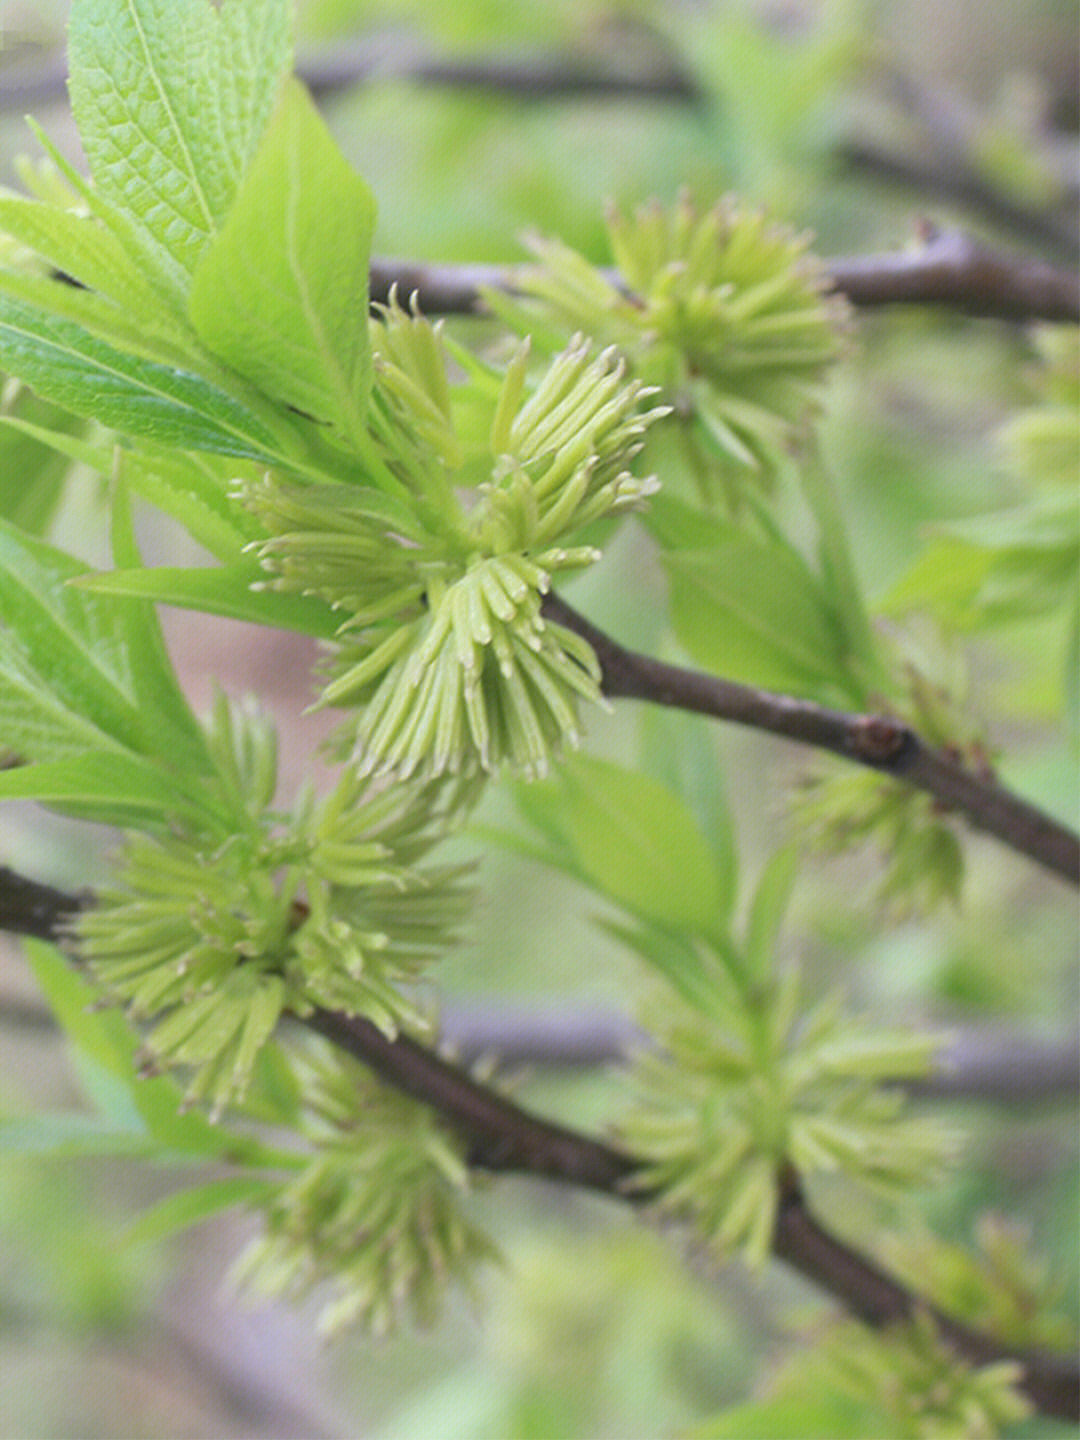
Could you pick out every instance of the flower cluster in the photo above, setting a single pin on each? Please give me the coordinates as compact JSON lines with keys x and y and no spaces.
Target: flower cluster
{"x":747,"y":1084}
{"x":723,"y":310}
{"x":439,"y":573}
{"x":839,"y":808}
{"x":917,"y":1379}
{"x":211,"y":939}
{"x":376,"y":1209}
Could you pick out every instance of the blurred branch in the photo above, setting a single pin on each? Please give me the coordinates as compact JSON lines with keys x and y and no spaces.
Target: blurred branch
{"x":503,"y":1137}
{"x":393,"y":56}
{"x":947,"y":268}
{"x":879,"y":742}
{"x":950,"y":268}
{"x":1002,"y":1065}
{"x":963,"y":186}
{"x":1006,"y":1064}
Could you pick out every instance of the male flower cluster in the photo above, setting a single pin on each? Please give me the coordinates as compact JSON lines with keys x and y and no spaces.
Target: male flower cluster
{"x":439,"y":573}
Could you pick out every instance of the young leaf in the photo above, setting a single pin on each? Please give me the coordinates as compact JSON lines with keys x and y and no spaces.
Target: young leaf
{"x":767,"y":911}
{"x":87,"y":251}
{"x":171,"y":97}
{"x":196,"y":1203}
{"x":631,"y":838}
{"x":87,"y":662}
{"x":227,"y":590}
{"x":109,"y":786}
{"x":194,"y":490}
{"x":281,"y":295}
{"x":33,"y":470}
{"x":156,"y":689}
{"x":70,"y":642}
{"x":70,"y":364}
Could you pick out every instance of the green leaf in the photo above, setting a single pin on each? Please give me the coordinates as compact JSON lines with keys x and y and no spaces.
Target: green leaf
{"x":87,"y":251}
{"x":220,"y":590}
{"x":33,"y":470}
{"x":282,"y":293}
{"x":89,"y":671}
{"x":68,"y":447}
{"x":62,"y":1136}
{"x":194,"y":490}
{"x":35,"y":723}
{"x":768,"y":909}
{"x":681,"y":753}
{"x":820,"y":1414}
{"x":197,"y":1203}
{"x":745,"y":608}
{"x":176,"y":733}
{"x":171,"y":97}
{"x":105,"y":1038}
{"x":631,"y":838}
{"x":70,"y":364}
{"x":73,"y":643}
{"x":105,"y":785}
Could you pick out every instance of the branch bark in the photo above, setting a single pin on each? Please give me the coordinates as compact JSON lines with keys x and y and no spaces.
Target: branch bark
{"x":879,"y":742}
{"x":503,"y":1137}
{"x":946,"y":268}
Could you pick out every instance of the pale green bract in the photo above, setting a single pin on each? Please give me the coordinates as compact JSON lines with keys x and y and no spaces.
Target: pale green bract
{"x":439,"y":573}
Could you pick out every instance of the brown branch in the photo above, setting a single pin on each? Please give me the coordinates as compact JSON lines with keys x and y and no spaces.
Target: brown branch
{"x":950,"y":268}
{"x":503,"y":1137}
{"x":876,"y":741}
{"x":947,"y":268}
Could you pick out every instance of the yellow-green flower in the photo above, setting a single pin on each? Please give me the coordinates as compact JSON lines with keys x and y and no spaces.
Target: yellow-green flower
{"x":439,"y":573}
{"x":724,"y":311}
{"x":210,"y":940}
{"x":748,"y":1085}
{"x":376,"y":1212}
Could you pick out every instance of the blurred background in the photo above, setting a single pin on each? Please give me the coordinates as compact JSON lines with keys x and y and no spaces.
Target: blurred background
{"x":475,"y":122}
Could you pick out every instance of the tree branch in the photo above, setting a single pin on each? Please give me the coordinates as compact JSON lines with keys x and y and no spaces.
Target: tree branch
{"x":877,"y":741}
{"x":503,"y":1137}
{"x":947,"y":268}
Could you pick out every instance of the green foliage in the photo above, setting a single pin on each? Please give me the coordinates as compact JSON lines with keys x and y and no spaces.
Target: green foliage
{"x":746,"y":1079}
{"x":408,"y":493}
{"x":284,"y":326}
{"x":171,"y":100}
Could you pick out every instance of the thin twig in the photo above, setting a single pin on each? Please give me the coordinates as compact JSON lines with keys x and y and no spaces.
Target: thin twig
{"x":946,"y":268}
{"x":961,"y":185}
{"x":879,"y":742}
{"x":501,"y":1136}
